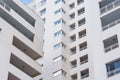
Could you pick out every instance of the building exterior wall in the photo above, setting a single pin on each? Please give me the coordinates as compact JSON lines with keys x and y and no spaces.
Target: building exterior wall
{"x":95,"y":36}
{"x":17,"y":63}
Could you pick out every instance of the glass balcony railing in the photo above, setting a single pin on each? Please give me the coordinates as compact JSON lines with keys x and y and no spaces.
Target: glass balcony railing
{"x":2,"y":3}
{"x":109,"y":48}
{"x":110,"y":6}
{"x":111,"y":24}
{"x":113,"y":72}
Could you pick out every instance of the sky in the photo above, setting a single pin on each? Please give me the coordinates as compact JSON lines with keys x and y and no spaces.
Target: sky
{"x":26,"y":1}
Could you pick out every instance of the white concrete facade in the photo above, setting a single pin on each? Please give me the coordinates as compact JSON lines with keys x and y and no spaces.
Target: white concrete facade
{"x":88,"y":43}
{"x":21,"y":39}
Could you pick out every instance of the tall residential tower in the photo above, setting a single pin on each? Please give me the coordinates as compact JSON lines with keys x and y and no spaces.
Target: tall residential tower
{"x":21,"y":41}
{"x":82,"y":39}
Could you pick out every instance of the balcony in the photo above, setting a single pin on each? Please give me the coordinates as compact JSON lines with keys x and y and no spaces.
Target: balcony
{"x":16,"y":24}
{"x":82,"y":34}
{"x":72,"y":16}
{"x":111,"y":43}
{"x":81,"y":11}
{"x":74,"y":77}
{"x":84,"y":73}
{"x":83,"y":46}
{"x":12,"y":77}
{"x":111,"y":47}
{"x":83,"y":59}
{"x":25,"y":49}
{"x":72,"y":26}
{"x":113,"y":67}
{"x":73,"y":38}
{"x":73,"y":50}
{"x":113,"y":72}
{"x":3,"y":4}
{"x":73,"y":64}
{"x":80,"y":2}
{"x":72,"y":5}
{"x":110,"y":19}
{"x":20,"y":11}
{"x":107,"y":5}
{"x":81,"y":22}
{"x":23,"y":66}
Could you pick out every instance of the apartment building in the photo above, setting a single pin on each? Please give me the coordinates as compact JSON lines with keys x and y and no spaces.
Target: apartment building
{"x":81,"y":39}
{"x":21,"y":41}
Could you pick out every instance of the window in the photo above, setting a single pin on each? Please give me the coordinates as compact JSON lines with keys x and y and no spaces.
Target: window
{"x":73,"y":63}
{"x":59,"y":10}
{"x":11,"y":77}
{"x":84,"y":73}
{"x":44,"y":20}
{"x":82,"y":33}
{"x":58,"y":1}
{"x":58,"y":58}
{"x":57,"y":45}
{"x":2,"y":3}
{"x":81,"y":11}
{"x":73,"y":38}
{"x":43,"y":2}
{"x":59,"y":21}
{"x":80,"y":1}
{"x":60,"y":45}
{"x":58,"y":33}
{"x":81,"y":22}
{"x":74,"y":76}
{"x":107,"y":5}
{"x":72,"y":26}
{"x":72,"y":5}
{"x":83,"y":46}
{"x":110,"y":43}
{"x":59,"y":72}
{"x":113,"y":67}
{"x":73,"y":50}
{"x":83,"y":59}
{"x":42,"y":12}
{"x":72,"y":16}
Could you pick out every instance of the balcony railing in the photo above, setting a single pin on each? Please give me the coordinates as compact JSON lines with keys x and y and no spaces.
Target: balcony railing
{"x":84,"y":76}
{"x":73,"y":79}
{"x":82,"y":23}
{"x":111,"y":25}
{"x":2,"y":3}
{"x":82,"y":62}
{"x":111,"y":47}
{"x":83,"y":48}
{"x":82,"y":35}
{"x":110,"y":6}
{"x":73,"y":52}
{"x":72,"y":40}
{"x":113,"y":72}
{"x":73,"y":66}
